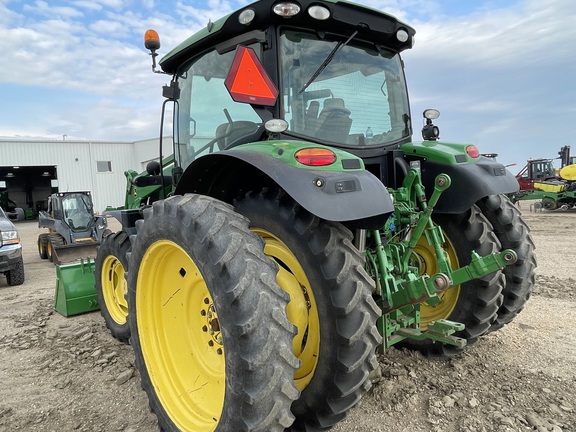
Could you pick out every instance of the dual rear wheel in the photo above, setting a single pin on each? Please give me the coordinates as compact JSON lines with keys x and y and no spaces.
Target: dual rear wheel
{"x":488,"y":303}
{"x":110,"y":266}
{"x":257,"y":323}
{"x":331,"y":305}
{"x":474,"y":303}
{"x":266,"y":322}
{"x":209,"y":329}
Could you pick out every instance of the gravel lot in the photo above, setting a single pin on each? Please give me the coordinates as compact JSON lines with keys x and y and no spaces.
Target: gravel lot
{"x":69,"y":374}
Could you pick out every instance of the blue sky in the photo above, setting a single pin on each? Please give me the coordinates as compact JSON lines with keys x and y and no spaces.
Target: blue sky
{"x":502,"y":72}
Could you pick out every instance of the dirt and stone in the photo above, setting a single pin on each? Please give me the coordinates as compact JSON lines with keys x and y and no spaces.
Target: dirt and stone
{"x":69,"y":374}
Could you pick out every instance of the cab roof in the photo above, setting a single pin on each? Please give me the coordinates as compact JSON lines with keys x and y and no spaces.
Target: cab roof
{"x":345,"y":18}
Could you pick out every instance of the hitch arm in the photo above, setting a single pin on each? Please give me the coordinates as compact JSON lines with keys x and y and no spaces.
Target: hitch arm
{"x":481,"y":266}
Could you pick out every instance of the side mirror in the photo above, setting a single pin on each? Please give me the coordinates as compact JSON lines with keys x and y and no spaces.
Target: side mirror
{"x":153,"y":168}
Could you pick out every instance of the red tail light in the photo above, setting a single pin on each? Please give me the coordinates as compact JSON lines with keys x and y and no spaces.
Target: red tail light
{"x":472,"y":151}
{"x":315,"y":157}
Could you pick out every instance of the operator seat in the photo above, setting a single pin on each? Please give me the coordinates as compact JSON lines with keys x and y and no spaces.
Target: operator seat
{"x":334,"y":121}
{"x":230,"y":132}
{"x":311,"y":123}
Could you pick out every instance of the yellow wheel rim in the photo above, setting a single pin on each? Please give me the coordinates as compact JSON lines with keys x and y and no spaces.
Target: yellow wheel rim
{"x":301,"y":310}
{"x":180,"y":337}
{"x":429,"y":265}
{"x":114,"y":289}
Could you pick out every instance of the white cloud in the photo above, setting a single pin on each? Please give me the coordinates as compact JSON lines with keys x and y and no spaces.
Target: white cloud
{"x":107,"y":27}
{"x":488,"y":39}
{"x":200,"y":16}
{"x":88,"y":5}
{"x":99,"y":4}
{"x":502,"y":78}
{"x":42,"y":8}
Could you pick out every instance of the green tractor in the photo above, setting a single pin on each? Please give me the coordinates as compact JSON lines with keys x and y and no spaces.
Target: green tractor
{"x":304,"y":228}
{"x":111,"y":261}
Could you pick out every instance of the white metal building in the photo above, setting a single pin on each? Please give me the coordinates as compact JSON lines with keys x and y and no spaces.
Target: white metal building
{"x":32,"y":169}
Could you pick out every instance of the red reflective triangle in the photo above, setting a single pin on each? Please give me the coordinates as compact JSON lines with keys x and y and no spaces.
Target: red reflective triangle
{"x":247,"y":80}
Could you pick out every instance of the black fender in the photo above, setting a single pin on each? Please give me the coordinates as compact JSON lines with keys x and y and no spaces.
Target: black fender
{"x":339,"y":196}
{"x":470,"y":183}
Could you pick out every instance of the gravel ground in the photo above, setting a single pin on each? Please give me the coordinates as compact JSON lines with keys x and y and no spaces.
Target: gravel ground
{"x":69,"y":374}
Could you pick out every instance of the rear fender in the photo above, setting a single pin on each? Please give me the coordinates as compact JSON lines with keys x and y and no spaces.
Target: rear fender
{"x":472,"y":178}
{"x":341,"y":192}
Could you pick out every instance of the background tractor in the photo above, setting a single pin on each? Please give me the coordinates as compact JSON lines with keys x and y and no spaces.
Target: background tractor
{"x":304,"y":226}
{"x":111,"y":262}
{"x":540,"y":180}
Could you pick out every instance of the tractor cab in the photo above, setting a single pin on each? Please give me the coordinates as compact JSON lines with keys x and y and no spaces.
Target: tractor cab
{"x":78,"y":211}
{"x":536,"y":170}
{"x":314,"y":79}
{"x":75,"y":208}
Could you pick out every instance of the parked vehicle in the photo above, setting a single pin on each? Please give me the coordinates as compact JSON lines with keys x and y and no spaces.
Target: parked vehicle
{"x":540,"y":180}
{"x":11,"y":261}
{"x":74,"y":231}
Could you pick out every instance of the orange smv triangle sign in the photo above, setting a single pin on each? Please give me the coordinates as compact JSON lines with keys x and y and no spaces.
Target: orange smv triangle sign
{"x":247,"y":80}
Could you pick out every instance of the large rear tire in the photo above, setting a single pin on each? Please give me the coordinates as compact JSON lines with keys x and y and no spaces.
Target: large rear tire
{"x":111,"y":290}
{"x":513,"y":233}
{"x":331,"y":305}
{"x":208,"y":321}
{"x":474,"y":303}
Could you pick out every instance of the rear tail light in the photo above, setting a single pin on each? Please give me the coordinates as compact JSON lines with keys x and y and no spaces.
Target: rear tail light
{"x":315,"y":156}
{"x":472,"y":151}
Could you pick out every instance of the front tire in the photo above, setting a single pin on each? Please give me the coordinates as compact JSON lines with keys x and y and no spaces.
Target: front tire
{"x":111,"y":290}
{"x":16,"y":275}
{"x":549,"y":203}
{"x":474,"y":303}
{"x":43,"y":246}
{"x":513,"y":233}
{"x":331,"y":305}
{"x":54,"y":240}
{"x":209,"y":330}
